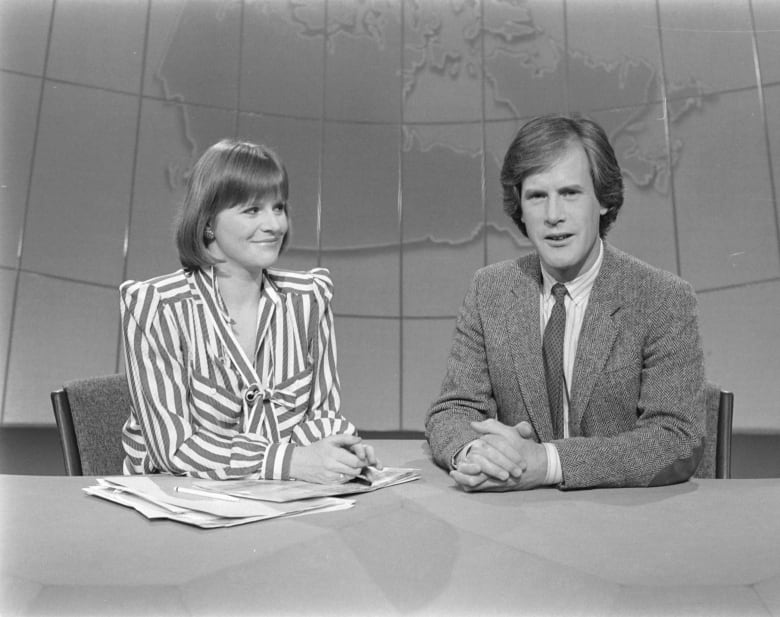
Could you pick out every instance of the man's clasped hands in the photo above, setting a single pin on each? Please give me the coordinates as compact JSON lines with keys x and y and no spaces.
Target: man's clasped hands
{"x":503,"y":458}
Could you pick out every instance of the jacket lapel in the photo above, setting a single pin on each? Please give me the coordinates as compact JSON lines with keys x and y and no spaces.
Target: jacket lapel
{"x":597,"y":337}
{"x":521,"y":316}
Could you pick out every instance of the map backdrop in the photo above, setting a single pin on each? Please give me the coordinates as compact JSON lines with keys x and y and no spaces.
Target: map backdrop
{"x":393,"y":118}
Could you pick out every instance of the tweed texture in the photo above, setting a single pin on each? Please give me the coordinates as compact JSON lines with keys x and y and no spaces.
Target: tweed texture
{"x":637,"y":394}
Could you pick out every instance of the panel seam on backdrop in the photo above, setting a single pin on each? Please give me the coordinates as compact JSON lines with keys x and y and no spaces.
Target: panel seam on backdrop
{"x":321,"y":150}
{"x":668,"y":138}
{"x":402,"y":26}
{"x":134,"y":171}
{"x":764,"y":120}
{"x":239,"y":68}
{"x":22,"y":231}
{"x":566,"y":94}
{"x":483,"y":170}
{"x":771,"y":279}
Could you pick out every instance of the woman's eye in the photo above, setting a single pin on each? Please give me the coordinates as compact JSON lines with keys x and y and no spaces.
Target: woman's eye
{"x":280,"y":207}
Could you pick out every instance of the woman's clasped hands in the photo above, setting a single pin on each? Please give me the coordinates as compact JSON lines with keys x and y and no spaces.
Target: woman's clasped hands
{"x":332,"y":460}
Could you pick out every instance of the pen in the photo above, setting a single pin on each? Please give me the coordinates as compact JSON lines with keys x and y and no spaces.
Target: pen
{"x":194,"y":491}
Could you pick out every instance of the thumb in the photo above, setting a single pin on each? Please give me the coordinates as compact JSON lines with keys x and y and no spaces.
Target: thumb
{"x":491,"y":426}
{"x":524,"y":429}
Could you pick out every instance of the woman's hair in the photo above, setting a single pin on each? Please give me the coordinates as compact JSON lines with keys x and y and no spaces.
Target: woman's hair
{"x":228,"y":174}
{"x":541,"y":142}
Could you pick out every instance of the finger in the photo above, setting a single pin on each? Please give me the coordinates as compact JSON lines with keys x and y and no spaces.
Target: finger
{"x":465,"y":480}
{"x":496,"y":450}
{"x":343,"y":440}
{"x":344,"y":458}
{"x":359,"y":450}
{"x":525,"y":430}
{"x":371,"y":457}
{"x":492,"y":427}
{"x":343,"y":473}
{"x":502,"y":453}
{"x":489,"y":467}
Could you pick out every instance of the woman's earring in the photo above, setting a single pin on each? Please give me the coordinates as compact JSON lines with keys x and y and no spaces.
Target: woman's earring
{"x":209,"y":234}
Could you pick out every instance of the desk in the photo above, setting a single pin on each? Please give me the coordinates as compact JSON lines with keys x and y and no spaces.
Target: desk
{"x":706,"y":547}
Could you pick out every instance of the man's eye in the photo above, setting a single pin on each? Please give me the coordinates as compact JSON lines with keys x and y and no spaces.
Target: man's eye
{"x":570,"y":192}
{"x":535,"y":196}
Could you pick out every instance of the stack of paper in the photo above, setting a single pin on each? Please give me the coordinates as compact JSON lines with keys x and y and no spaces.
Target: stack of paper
{"x":286,"y":491}
{"x":224,"y":503}
{"x":176,"y":498}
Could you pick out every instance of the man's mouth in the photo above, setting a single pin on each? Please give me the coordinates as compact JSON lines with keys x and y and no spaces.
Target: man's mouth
{"x":557,"y":237}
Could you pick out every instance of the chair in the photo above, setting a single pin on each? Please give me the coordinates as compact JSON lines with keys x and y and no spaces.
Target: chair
{"x":716,"y":461}
{"x":90,"y":414}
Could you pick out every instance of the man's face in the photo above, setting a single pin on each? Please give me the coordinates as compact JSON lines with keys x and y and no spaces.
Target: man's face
{"x":561,"y":214}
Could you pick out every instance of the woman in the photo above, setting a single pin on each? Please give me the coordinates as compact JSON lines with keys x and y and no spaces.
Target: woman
{"x":232,"y":364}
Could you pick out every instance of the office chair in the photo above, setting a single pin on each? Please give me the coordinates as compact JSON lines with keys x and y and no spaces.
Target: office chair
{"x":90,"y":414}
{"x":716,"y":461}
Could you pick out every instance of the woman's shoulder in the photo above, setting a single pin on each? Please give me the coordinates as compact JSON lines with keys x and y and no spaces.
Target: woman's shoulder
{"x":167,"y":287}
{"x":316,"y":281}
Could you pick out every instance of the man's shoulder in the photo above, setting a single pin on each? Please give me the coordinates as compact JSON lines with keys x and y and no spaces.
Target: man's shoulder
{"x":524,"y":266}
{"x":643,"y":286}
{"x":643,"y":275}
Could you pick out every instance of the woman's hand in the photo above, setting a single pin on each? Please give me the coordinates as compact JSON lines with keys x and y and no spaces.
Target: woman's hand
{"x":332,"y":460}
{"x":366,"y":454}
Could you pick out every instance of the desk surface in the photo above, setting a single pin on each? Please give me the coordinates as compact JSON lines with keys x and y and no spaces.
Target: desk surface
{"x":706,"y":547}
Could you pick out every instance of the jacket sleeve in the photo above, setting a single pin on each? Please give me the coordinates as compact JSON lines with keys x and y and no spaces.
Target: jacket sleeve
{"x":323,"y":417}
{"x":167,"y":437}
{"x":466,"y":392}
{"x":665,"y":443}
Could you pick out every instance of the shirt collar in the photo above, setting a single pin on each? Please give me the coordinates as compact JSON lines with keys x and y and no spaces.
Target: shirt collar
{"x":209,"y":274}
{"x":578,"y":288}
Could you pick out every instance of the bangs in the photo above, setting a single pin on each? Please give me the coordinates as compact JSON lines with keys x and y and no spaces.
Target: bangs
{"x":249,"y":174}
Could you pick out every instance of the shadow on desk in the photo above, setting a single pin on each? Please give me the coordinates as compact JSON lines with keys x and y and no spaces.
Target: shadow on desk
{"x":36,"y":451}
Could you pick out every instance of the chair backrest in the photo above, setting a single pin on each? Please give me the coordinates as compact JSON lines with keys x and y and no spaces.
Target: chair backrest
{"x":716,"y":461}
{"x":90,"y":414}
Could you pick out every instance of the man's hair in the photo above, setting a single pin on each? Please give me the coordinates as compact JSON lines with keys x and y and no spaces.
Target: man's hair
{"x":228,"y":174}
{"x":541,"y":142}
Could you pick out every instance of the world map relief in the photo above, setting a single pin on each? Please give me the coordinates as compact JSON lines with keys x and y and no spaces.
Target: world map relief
{"x":465,"y":65}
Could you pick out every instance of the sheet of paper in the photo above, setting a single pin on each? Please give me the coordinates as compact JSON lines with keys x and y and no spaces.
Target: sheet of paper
{"x":155,"y":510}
{"x":284,"y":491}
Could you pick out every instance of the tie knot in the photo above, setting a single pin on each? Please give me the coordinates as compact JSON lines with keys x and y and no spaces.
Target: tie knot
{"x":559,"y":291}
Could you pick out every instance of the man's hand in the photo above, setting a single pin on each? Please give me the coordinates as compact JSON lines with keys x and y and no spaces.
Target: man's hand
{"x":332,"y":460}
{"x":504,"y":458}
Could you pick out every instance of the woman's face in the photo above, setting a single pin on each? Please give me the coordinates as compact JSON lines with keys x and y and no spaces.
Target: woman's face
{"x":248,"y":237}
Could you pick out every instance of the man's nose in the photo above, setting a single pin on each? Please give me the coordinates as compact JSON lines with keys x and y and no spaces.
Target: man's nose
{"x":554,"y":210}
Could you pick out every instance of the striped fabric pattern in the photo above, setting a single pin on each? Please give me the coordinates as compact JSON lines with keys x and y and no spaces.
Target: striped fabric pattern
{"x":200,"y":406}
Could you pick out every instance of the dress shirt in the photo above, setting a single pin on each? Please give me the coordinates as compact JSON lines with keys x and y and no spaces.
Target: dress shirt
{"x":575,"y":302}
{"x":200,"y":406}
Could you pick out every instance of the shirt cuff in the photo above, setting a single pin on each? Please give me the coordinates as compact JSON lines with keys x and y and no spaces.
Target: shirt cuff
{"x":276,"y":464}
{"x":554,"y":474}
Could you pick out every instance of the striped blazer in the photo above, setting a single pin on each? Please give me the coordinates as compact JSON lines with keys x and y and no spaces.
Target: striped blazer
{"x":637,"y":395}
{"x":201,"y":407}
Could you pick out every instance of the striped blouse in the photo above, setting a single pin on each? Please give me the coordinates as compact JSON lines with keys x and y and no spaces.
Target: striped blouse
{"x":200,"y":406}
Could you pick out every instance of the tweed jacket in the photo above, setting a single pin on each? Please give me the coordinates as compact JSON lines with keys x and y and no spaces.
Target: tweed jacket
{"x":637,"y":395}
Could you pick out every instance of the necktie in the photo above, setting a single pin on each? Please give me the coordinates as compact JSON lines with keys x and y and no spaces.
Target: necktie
{"x":552,"y":351}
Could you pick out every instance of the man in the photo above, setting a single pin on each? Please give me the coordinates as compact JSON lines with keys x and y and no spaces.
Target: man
{"x":577,"y":365}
